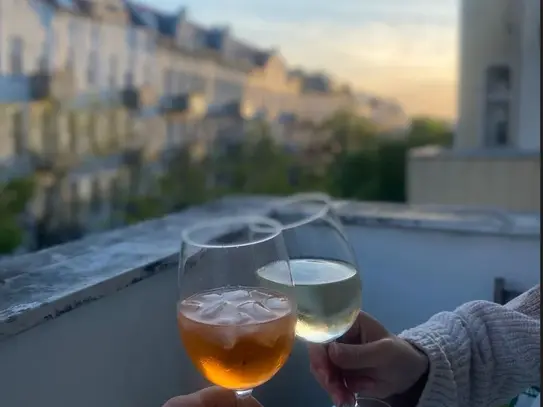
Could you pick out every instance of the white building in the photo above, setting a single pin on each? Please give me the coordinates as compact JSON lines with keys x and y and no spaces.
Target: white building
{"x":495,"y":160}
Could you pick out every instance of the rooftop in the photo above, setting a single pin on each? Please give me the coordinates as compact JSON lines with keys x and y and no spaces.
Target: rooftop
{"x":97,"y":316}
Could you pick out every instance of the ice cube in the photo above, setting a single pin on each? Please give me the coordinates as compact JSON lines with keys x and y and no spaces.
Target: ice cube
{"x":260,"y":295}
{"x":267,"y":336}
{"x":213,"y":311}
{"x":278,"y":304}
{"x":235,"y":295}
{"x":256,"y":310}
{"x":232,"y":316}
{"x":228,"y":336}
{"x":190,"y":306}
{"x":210,"y":297}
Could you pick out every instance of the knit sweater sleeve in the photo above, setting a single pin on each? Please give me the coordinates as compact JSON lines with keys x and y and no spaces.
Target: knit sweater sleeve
{"x":482,"y":354}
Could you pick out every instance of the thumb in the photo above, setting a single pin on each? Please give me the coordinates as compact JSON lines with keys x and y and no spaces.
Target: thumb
{"x":354,"y":357}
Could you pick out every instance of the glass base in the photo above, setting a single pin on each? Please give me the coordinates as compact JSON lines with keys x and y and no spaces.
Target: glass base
{"x":241,"y":394}
{"x":368,"y":402}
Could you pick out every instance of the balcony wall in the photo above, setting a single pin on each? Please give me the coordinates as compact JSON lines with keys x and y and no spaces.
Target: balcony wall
{"x":506,"y":180}
{"x":92,"y":323}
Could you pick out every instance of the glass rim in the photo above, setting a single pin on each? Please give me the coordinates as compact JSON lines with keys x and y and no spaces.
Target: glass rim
{"x":231,"y":220}
{"x":315,"y":196}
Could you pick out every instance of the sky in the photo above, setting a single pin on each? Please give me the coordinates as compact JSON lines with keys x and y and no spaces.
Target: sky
{"x":400,"y":49}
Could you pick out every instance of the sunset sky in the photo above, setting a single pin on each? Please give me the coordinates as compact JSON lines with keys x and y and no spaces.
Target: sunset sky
{"x":403,"y":49}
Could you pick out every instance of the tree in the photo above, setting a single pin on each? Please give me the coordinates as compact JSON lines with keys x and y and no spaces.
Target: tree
{"x":14,"y":197}
{"x":429,"y":131}
{"x":350,"y":132}
{"x":256,"y":165}
{"x":375,"y":169}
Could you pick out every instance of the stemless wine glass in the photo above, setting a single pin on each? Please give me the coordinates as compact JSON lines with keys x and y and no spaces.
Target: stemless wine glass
{"x":237,"y":333}
{"x":326,"y":276}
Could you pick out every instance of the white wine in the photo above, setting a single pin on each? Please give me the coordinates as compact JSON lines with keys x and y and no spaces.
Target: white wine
{"x":328,"y":295}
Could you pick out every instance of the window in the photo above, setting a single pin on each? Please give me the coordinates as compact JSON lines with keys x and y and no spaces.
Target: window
{"x":113,"y":62}
{"x":72,"y":129}
{"x":43,"y":64}
{"x":132,"y":38}
{"x":170,"y":133}
{"x":498,"y":82}
{"x":92,"y":68}
{"x":96,"y":198}
{"x":497,"y":107}
{"x":147,"y":73}
{"x":150,"y":42}
{"x":128,"y":79}
{"x":70,"y":59}
{"x":72,"y":43}
{"x":168,"y":82}
{"x":16,"y":55}
{"x":18,"y":132}
{"x":95,"y":36}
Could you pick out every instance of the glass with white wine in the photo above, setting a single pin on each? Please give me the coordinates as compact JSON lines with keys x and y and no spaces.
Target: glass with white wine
{"x":237,"y":333}
{"x":327,"y":284}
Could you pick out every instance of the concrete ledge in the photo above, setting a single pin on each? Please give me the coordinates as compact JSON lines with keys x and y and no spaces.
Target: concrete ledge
{"x":41,"y":286}
{"x":436,"y":152}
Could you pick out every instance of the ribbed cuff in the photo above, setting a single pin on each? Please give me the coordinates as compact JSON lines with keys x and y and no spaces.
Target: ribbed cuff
{"x":440,"y":389}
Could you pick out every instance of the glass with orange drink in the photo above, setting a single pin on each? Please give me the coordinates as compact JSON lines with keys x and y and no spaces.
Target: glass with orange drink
{"x":237,"y":333}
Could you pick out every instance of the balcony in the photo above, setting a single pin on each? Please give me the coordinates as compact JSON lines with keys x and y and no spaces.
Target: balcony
{"x":234,"y":109}
{"x":45,"y":162}
{"x":185,"y":106}
{"x":59,"y":86}
{"x":138,"y":98}
{"x":92,"y":323}
{"x":136,"y":156}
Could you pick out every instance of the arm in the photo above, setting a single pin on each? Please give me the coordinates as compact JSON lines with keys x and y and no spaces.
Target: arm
{"x":482,"y":354}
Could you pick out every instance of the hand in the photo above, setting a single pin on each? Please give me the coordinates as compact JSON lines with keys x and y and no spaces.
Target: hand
{"x":212,"y":397}
{"x":367,"y":360}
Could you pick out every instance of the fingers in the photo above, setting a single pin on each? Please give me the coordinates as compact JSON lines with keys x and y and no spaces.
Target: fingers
{"x":212,"y":397}
{"x":355,"y":357}
{"x":328,"y":376}
{"x":364,"y":385}
{"x":365,"y":329}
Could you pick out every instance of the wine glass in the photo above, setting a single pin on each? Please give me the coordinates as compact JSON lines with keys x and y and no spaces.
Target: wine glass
{"x":326,"y":276}
{"x":237,"y":333}
{"x":326,"y":280}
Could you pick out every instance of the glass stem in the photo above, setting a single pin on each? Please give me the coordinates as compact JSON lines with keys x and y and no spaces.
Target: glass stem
{"x":243,"y":394}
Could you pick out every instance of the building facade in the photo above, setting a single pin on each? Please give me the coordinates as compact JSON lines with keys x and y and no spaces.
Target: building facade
{"x":495,"y":160}
{"x":89,"y":88}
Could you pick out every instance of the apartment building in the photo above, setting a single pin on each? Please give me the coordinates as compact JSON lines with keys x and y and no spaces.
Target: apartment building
{"x":495,"y":161}
{"x":90,"y":88}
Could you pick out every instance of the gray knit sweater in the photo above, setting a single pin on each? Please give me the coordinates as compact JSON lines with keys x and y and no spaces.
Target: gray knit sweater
{"x":482,"y":354}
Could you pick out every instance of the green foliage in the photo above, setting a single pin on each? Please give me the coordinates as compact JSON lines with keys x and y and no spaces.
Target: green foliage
{"x":14,"y":197}
{"x":11,"y":235}
{"x":366,"y":166}
{"x":375,"y":171}
{"x":142,"y":208}
{"x":351,"y":132}
{"x":428,"y":131}
{"x":184,"y":183}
